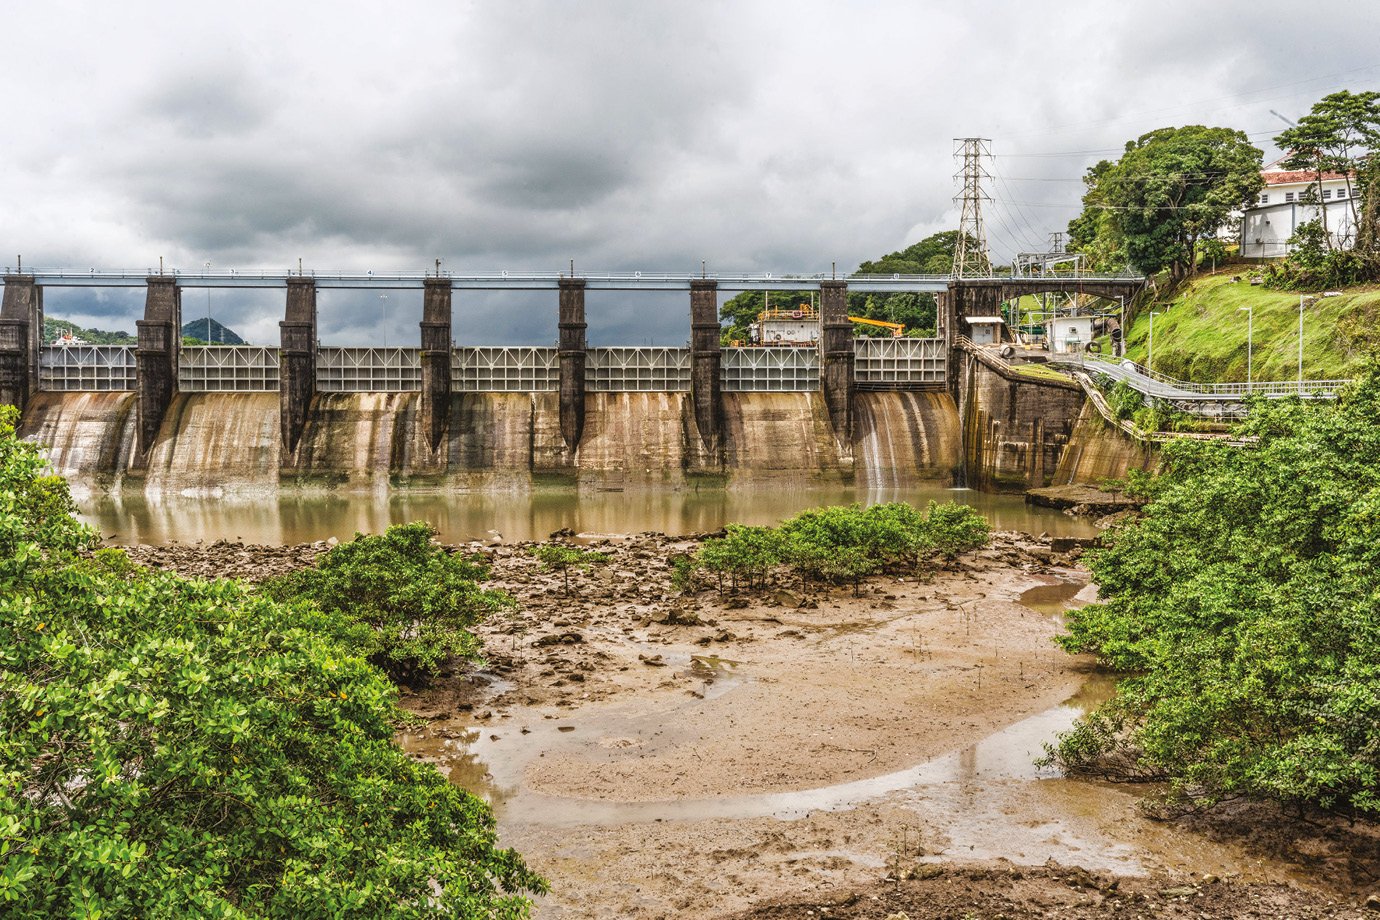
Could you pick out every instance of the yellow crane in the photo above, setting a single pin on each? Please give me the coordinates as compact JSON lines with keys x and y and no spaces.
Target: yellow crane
{"x":897,"y":329}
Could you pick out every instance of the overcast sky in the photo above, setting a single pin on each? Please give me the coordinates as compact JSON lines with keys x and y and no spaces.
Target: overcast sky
{"x":759,"y":136}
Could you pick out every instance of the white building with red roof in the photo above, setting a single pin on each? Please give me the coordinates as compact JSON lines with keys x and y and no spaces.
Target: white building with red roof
{"x":1279,"y":209}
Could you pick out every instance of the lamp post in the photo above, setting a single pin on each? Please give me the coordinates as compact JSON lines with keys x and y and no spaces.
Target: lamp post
{"x":383,"y":301}
{"x":1150,"y":350}
{"x":1302,"y":301}
{"x":1250,"y":326}
{"x":207,"y":264}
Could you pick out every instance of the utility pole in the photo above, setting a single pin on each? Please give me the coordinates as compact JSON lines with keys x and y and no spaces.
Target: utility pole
{"x":1250,"y":349}
{"x":1056,"y":241}
{"x":1150,"y":351}
{"x":970,"y":249}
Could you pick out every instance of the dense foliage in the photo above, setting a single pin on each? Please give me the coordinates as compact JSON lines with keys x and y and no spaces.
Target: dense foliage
{"x":1171,"y":188}
{"x":182,"y":748}
{"x":1244,"y":608}
{"x":842,"y":544}
{"x":398,"y":599}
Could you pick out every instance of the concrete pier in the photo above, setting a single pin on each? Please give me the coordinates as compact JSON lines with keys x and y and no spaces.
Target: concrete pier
{"x":156,"y":356}
{"x":836,"y":348}
{"x":21,"y":338}
{"x":297,"y":359}
{"x":706,"y":359}
{"x":572,"y":357}
{"x":436,"y":359}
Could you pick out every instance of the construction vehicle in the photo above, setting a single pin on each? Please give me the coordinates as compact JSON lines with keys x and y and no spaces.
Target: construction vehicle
{"x":897,"y":329}
{"x":799,"y":327}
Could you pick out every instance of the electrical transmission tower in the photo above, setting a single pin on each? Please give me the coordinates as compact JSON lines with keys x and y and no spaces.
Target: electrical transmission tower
{"x":970,"y":249}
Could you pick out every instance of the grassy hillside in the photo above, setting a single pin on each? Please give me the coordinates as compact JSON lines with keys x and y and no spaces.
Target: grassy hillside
{"x":1201,"y":334}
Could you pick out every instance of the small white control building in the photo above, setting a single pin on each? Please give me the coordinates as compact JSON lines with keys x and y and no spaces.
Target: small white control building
{"x":1069,"y":333}
{"x":1274,"y":216}
{"x":984,"y":330}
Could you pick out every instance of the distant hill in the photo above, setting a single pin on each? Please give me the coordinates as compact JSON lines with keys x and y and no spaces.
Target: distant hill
{"x":53,"y":328}
{"x":210,"y":331}
{"x":197,"y":332}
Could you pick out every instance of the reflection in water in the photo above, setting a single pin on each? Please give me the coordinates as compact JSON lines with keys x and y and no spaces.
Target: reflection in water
{"x":494,"y":771}
{"x":291,"y":518}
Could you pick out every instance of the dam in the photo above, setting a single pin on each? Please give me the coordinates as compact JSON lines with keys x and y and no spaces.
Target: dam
{"x":164,"y":418}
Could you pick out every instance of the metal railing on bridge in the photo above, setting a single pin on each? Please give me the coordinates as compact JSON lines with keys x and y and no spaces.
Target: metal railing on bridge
{"x":87,"y":367}
{"x":227,"y":368}
{"x":899,"y":363}
{"x":505,"y":369}
{"x":372,"y":370}
{"x":770,"y":370}
{"x":879,"y":364}
{"x":1307,"y":388}
{"x":624,"y":370}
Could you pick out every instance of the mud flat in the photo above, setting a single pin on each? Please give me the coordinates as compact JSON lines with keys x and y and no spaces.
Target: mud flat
{"x":786,"y":754}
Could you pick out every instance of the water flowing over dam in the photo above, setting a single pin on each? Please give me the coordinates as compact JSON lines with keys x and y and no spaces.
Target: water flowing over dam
{"x":212,"y":443}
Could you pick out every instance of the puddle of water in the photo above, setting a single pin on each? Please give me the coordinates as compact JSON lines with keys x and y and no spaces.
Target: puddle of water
{"x":1052,"y":600}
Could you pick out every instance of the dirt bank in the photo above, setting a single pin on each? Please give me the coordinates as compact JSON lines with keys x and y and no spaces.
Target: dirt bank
{"x":660,"y":755}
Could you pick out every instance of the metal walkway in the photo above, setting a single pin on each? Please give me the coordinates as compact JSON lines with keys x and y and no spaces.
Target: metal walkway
{"x":1211,"y":400}
{"x":543,"y":281}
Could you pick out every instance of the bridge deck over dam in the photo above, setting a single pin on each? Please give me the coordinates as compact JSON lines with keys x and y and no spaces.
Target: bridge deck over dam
{"x":702,"y":377}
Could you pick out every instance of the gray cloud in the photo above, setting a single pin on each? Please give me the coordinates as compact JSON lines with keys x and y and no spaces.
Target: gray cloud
{"x":640,"y":134}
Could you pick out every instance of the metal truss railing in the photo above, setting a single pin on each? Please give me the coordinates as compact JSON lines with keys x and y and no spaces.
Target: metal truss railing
{"x":770,"y":370}
{"x":505,"y":369}
{"x":87,"y":367}
{"x":1255,"y":388}
{"x":898,"y":363}
{"x":227,"y":368}
{"x":354,"y":370}
{"x":613,"y":370}
{"x":530,"y":280}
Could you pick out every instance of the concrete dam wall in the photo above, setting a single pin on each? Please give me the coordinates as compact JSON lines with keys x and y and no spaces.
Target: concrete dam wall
{"x":224,"y":442}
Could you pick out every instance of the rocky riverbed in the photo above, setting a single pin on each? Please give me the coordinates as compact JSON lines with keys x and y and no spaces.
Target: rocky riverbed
{"x":794,"y":754}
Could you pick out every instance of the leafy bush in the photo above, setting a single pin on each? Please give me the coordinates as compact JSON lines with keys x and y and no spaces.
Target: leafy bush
{"x":744,"y":553}
{"x":1124,"y":400}
{"x":1243,"y":607}
{"x":955,"y":528}
{"x":182,"y":748}
{"x":561,"y":557}
{"x":1314,"y":266}
{"x":842,"y":544}
{"x":400,"y":600}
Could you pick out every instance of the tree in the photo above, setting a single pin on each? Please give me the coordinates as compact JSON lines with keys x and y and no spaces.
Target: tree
{"x":173,"y":747}
{"x":1170,"y":188}
{"x":1242,"y":610}
{"x":403,"y":602}
{"x":561,"y":557}
{"x":1336,"y":135}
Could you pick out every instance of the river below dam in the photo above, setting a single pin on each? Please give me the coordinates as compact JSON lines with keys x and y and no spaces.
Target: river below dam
{"x":285,"y":517}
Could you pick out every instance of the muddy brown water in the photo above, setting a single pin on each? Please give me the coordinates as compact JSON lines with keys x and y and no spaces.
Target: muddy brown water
{"x":285,"y":518}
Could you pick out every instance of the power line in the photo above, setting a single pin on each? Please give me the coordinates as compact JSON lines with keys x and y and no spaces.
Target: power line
{"x":1121,"y":149}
